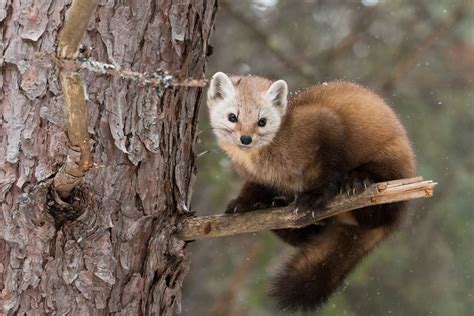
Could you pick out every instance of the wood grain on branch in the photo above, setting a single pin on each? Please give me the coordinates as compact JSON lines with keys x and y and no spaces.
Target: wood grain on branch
{"x":289,"y":217}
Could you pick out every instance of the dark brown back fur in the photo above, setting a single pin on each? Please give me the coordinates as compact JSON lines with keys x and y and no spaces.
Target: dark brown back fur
{"x":330,"y":135}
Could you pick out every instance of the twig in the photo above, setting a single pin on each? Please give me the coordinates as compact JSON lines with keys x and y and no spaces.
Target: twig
{"x":406,"y":63}
{"x":159,"y":79}
{"x":289,"y":217}
{"x":74,"y":27}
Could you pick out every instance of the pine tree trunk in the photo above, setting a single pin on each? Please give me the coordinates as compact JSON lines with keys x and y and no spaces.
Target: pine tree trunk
{"x":119,"y":255}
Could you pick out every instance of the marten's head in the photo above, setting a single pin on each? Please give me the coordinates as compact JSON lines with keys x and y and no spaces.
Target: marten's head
{"x":246,"y":111}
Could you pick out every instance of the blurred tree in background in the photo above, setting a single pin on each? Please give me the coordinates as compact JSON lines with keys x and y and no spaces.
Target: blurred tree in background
{"x":419,"y":55}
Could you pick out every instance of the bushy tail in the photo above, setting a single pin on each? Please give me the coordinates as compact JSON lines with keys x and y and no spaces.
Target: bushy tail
{"x":321,"y":265}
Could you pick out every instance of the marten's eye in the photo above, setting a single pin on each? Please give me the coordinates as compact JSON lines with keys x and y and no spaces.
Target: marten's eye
{"x":262,"y":122}
{"x":232,"y":118}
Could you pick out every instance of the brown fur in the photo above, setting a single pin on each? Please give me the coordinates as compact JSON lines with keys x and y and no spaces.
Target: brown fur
{"x":333,"y":137}
{"x":362,"y":127}
{"x":322,"y":264}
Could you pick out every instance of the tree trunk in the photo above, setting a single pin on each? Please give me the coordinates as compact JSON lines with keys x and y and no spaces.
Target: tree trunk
{"x":119,"y":255}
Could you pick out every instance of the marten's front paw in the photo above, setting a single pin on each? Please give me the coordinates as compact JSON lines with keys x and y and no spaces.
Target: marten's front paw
{"x":310,"y":201}
{"x":240,"y":205}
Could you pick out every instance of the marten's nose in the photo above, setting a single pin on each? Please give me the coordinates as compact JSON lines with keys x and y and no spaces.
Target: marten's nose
{"x":246,"y":140}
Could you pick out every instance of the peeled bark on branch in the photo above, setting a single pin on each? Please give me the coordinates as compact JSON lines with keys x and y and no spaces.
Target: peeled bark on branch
{"x":74,"y":27}
{"x":72,"y":172}
{"x":289,"y":217}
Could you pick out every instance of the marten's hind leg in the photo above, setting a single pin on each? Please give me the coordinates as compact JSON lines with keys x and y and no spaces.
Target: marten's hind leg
{"x":297,"y":236}
{"x":392,"y":163}
{"x":353,"y":183}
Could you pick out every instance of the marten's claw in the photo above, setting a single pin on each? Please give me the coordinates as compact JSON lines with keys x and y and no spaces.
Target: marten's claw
{"x":240,"y":205}
{"x":311,"y":202}
{"x":356,"y":183}
{"x":235,"y":206}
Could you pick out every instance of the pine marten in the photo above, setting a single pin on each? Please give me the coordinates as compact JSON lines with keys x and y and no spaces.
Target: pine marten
{"x":329,"y":138}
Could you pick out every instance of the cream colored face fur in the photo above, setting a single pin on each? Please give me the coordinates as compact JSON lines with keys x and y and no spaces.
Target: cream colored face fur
{"x":237,"y":105}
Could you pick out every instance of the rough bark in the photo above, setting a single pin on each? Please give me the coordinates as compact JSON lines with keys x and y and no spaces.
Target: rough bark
{"x":119,"y":256}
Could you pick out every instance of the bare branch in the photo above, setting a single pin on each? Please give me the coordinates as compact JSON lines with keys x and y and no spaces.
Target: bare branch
{"x":74,"y":28}
{"x":289,"y":217}
{"x":72,"y":172}
{"x":69,"y":65}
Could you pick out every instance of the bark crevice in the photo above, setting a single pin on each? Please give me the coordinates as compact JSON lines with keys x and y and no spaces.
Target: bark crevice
{"x":117,"y":254}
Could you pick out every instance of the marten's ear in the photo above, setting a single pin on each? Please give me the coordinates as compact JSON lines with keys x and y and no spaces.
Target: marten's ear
{"x":277,"y":94}
{"x":221,"y":87}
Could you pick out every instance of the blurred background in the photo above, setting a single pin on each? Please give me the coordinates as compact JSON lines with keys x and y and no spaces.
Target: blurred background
{"x":419,"y":55}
